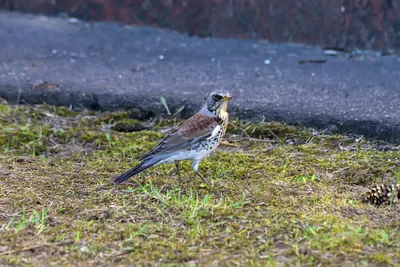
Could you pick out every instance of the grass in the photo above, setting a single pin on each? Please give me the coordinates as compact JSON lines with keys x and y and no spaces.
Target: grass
{"x":20,"y":222}
{"x":290,"y":197}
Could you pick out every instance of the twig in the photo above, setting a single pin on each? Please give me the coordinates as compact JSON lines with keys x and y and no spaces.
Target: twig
{"x":36,"y":246}
{"x":242,"y":130}
{"x":273,"y":134}
{"x":342,"y":169}
{"x":227,"y":143}
{"x":16,"y":106}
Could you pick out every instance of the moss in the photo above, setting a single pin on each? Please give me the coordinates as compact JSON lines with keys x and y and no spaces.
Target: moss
{"x":290,"y":197}
{"x":129,"y":125}
{"x":64,"y":112}
{"x":5,"y":109}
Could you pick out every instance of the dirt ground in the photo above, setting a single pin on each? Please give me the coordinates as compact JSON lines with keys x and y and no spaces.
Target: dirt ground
{"x":279,"y":195}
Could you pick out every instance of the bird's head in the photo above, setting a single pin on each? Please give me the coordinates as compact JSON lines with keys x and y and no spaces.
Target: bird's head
{"x":217,"y":101}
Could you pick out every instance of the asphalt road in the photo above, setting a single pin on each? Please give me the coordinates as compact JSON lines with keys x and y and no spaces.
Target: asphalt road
{"x":108,"y":66}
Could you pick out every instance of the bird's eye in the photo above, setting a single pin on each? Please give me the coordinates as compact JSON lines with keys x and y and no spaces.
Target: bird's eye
{"x":217,"y":97}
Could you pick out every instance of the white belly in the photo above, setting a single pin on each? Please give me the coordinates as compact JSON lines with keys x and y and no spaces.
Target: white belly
{"x":198,"y":151}
{"x":194,"y":154}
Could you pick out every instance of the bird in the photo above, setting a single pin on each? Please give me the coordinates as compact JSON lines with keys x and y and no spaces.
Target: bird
{"x":193,"y":140}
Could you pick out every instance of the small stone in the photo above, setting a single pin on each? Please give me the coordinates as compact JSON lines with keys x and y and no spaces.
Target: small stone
{"x":267,"y":62}
{"x":3,"y":101}
{"x":84,"y":249}
{"x":73,"y":20}
{"x":330,"y":52}
{"x":161,"y":57}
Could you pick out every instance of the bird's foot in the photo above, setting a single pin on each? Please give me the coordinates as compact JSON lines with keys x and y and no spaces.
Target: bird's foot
{"x":178,"y":172}
{"x":202,"y":177}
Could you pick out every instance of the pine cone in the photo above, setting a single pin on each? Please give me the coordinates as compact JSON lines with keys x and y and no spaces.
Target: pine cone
{"x":383,"y":194}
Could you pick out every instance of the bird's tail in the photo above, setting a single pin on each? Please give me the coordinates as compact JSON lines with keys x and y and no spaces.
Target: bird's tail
{"x":137,"y":169}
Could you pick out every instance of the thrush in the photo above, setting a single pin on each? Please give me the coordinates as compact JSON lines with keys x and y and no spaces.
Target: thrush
{"x":194,"y":140}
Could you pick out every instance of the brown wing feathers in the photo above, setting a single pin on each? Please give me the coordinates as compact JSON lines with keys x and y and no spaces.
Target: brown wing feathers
{"x":197,"y":126}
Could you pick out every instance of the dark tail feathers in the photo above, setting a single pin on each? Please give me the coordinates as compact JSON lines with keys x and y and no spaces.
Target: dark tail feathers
{"x":137,"y":169}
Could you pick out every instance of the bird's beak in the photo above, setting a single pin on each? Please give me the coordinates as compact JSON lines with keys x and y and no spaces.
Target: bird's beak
{"x":226,"y":98}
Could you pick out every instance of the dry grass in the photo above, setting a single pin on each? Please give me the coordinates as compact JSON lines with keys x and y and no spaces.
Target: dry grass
{"x":292,"y":196}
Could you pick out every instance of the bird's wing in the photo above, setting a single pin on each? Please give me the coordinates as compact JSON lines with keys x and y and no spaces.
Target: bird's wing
{"x":196,"y":128}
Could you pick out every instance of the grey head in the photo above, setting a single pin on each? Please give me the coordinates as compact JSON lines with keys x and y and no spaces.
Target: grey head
{"x":217,"y":101}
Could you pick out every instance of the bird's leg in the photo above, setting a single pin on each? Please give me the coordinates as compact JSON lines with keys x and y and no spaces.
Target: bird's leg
{"x":202,"y":177}
{"x":195,"y":166}
{"x":178,"y":172}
